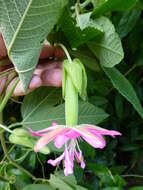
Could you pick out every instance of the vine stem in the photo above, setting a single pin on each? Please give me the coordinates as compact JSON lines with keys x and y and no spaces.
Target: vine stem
{"x":6,"y":129}
{"x":66,"y":52}
{"x":12,"y":161}
{"x":2,"y":138}
{"x":132,"y":175}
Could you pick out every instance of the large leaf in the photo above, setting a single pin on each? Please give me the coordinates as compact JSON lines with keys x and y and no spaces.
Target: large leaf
{"x":24,"y":25}
{"x":42,"y":118}
{"x":124,"y":87}
{"x":108,"y":48}
{"x":104,"y":6}
{"x":38,"y":101}
{"x":40,"y":112}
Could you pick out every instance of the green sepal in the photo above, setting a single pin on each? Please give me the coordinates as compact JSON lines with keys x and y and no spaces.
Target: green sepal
{"x":64,"y":76}
{"x":22,"y":137}
{"x":83,"y":93}
{"x":77,"y":73}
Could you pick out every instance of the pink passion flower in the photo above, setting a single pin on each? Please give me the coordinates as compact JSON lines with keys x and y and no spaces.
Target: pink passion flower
{"x":69,"y":136}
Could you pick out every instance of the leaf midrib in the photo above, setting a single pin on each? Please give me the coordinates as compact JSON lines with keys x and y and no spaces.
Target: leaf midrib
{"x":19,"y":27}
{"x":109,"y":49}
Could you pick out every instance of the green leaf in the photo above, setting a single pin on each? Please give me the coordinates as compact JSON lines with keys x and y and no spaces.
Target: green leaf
{"x":108,"y":48}
{"x":81,"y":32}
{"x":38,"y":186}
{"x":104,"y":6}
{"x":56,"y":182}
{"x":128,"y":22}
{"x":87,"y":114}
{"x":61,"y":182}
{"x":43,"y":113}
{"x":137,"y":188}
{"x":36,"y":101}
{"x":24,"y":25}
{"x":124,"y":87}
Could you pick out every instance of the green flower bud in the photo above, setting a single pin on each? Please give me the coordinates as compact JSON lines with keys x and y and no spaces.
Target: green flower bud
{"x":22,"y":137}
{"x":77,"y":73}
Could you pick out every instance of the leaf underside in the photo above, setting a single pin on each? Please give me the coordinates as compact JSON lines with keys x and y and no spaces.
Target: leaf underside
{"x":24,"y":25}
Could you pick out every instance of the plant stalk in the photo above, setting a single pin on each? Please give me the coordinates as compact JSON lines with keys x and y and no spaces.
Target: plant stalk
{"x":71,"y":103}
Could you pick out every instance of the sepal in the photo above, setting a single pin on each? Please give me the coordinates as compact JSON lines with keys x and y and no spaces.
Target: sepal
{"x":77,"y":74}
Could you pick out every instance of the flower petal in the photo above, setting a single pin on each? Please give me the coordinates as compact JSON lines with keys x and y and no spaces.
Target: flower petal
{"x":45,"y":139}
{"x":57,"y":160}
{"x":97,"y":141}
{"x":80,"y":159}
{"x":40,"y":132}
{"x":35,"y":133}
{"x":60,"y":140}
{"x":68,"y":162}
{"x":95,"y":129}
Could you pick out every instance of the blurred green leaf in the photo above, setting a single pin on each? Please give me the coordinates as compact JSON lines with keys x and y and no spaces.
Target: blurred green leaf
{"x":137,"y":188}
{"x":112,"y":188}
{"x":127,"y":22}
{"x":103,"y":6}
{"x":124,"y":87}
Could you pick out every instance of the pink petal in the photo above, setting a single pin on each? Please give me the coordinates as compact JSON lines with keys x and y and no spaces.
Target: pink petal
{"x":71,"y":134}
{"x":60,"y":140}
{"x":34,"y":133}
{"x":79,"y":159}
{"x":97,"y":141}
{"x":95,"y":129}
{"x":48,"y":138}
{"x":56,"y":161}
{"x":54,"y":123}
{"x":68,"y":163}
{"x":45,"y":130}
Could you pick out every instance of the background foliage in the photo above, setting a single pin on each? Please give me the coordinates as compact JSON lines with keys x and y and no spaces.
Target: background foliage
{"x":102,"y":34}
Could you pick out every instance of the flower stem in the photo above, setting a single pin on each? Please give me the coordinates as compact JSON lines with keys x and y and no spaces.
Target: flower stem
{"x":5,"y":128}
{"x":71,"y":96}
{"x":66,"y":52}
{"x":71,"y":103}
